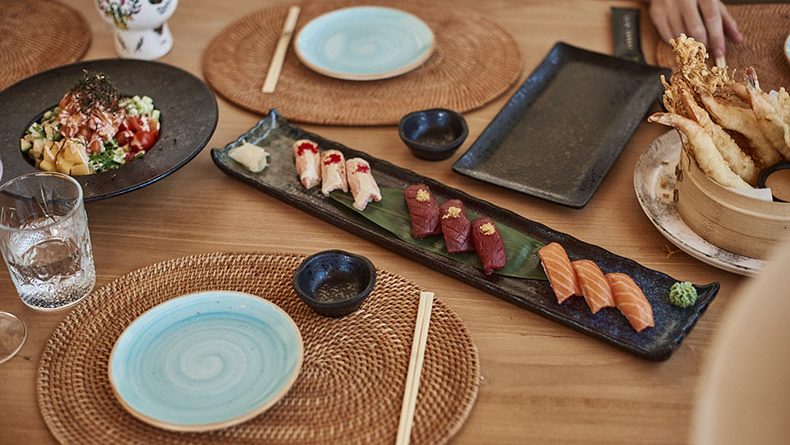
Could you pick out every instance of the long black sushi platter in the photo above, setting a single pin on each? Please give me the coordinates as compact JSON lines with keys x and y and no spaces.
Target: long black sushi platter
{"x":279,"y":179}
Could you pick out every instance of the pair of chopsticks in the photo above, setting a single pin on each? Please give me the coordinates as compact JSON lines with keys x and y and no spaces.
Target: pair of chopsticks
{"x":276,"y":64}
{"x":415,"y":368}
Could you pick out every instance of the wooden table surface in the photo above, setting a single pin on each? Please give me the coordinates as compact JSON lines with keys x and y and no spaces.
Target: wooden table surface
{"x":541,"y":382}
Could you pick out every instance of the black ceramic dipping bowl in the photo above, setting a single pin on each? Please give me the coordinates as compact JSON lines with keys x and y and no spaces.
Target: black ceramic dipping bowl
{"x":777,"y":177}
{"x":433,"y":134}
{"x":333,"y":282}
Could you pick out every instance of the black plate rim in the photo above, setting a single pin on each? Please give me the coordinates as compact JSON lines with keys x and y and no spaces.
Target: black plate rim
{"x":212,"y":114}
{"x":460,"y":165}
{"x":707,"y":292}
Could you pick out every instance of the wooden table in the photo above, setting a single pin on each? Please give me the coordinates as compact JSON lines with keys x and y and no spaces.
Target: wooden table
{"x":541,"y":382}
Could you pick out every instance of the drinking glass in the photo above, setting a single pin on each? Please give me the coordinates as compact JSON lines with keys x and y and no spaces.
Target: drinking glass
{"x":44,"y":240}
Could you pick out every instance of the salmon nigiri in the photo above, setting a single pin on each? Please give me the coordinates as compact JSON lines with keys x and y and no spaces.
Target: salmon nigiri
{"x":557,"y":266}
{"x":594,"y":286}
{"x":631,"y":301}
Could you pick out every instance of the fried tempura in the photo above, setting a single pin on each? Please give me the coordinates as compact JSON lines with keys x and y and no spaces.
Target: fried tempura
{"x":732,"y":129}
{"x":738,"y":161}
{"x":743,"y":121}
{"x":769,"y":115}
{"x":703,"y":148}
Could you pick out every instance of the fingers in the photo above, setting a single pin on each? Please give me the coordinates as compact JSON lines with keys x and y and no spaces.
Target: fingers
{"x":712,"y":17}
{"x":729,"y":25}
{"x":693,"y":21}
{"x":667,"y":19}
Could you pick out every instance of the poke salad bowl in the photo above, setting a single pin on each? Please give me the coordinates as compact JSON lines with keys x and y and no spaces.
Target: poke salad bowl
{"x":188,"y":119}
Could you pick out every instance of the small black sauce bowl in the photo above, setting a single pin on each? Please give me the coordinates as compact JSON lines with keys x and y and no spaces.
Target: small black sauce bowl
{"x":433,"y":134}
{"x":768,"y":171}
{"x":333,"y":282}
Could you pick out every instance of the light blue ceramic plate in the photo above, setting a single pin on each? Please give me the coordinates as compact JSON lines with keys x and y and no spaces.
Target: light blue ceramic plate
{"x":364,"y":43}
{"x":787,"y":48}
{"x":206,"y":361}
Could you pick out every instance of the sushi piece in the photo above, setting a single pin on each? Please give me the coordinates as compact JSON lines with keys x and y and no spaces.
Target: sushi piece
{"x":557,"y":265}
{"x":360,"y":180}
{"x":308,"y":162}
{"x":333,"y":172}
{"x":423,"y":211}
{"x":594,"y":286}
{"x":456,"y":228}
{"x":488,"y":244}
{"x":631,"y":301}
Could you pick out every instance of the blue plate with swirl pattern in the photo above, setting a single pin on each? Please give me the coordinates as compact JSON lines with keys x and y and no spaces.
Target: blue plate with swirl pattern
{"x":206,"y":361}
{"x":364,"y":43}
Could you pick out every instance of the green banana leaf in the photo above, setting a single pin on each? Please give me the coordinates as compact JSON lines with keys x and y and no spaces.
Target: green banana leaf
{"x":392,"y":215}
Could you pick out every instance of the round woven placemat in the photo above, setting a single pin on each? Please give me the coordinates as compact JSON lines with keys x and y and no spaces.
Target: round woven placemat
{"x":38,"y":35}
{"x":764,"y":28}
{"x":350,"y":387}
{"x":474,"y":61}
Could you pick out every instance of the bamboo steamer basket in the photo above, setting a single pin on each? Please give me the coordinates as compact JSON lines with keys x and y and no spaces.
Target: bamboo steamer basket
{"x":727,"y":219}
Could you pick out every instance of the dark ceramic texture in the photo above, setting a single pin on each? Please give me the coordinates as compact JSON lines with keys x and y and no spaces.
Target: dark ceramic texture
{"x":433,"y":134}
{"x":189,"y":116}
{"x":559,"y":134}
{"x":280,"y":181}
{"x":352,"y":276}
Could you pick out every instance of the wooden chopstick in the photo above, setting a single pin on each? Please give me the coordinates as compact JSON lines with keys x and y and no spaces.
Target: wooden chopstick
{"x":421,"y":328}
{"x":276,"y":65}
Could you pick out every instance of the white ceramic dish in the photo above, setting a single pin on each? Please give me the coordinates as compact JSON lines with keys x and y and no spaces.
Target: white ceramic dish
{"x":654,"y":183}
{"x":364,"y":43}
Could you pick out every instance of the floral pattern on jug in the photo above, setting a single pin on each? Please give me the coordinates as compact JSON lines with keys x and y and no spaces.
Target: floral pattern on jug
{"x":141,"y":30}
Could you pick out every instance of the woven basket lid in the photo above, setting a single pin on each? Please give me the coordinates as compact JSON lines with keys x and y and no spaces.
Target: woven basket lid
{"x":38,"y":35}
{"x":765,"y":28}
{"x":474,"y":61}
{"x":350,"y":387}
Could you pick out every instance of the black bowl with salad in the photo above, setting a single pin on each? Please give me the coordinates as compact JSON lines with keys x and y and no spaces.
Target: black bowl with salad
{"x":92,"y":129}
{"x":92,"y":120}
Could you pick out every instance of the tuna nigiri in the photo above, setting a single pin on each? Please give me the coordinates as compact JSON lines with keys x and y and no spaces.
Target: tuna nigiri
{"x":360,"y":180}
{"x":333,"y":172}
{"x":631,"y":301}
{"x":594,"y":286}
{"x":455,"y":227}
{"x":488,"y":244}
{"x":557,"y":265}
{"x":423,"y":211}
{"x":308,"y":162}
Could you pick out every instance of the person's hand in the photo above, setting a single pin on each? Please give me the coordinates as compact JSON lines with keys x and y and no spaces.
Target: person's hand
{"x":708,"y":21}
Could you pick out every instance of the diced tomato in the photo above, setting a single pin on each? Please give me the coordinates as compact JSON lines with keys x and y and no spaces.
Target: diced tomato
{"x":124,"y":137}
{"x":132,"y":124}
{"x":143,"y":141}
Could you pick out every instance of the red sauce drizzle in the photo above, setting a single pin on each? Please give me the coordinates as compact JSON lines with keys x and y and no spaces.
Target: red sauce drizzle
{"x":333,"y":158}
{"x":306,"y":146}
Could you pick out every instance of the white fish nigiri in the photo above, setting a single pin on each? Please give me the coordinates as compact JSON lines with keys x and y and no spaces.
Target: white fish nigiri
{"x":363,"y":186}
{"x":308,"y":162}
{"x":333,"y":172}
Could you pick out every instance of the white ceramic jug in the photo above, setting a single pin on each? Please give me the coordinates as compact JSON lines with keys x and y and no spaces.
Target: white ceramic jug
{"x":141,"y":30}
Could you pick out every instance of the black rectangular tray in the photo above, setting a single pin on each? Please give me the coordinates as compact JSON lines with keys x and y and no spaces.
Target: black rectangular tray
{"x":559,"y":134}
{"x":279,"y":180}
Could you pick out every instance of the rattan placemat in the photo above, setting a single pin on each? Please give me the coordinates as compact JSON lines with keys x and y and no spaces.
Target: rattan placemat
{"x":474,"y":61}
{"x":764,"y":28}
{"x":349,"y":390}
{"x":36,"y":35}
